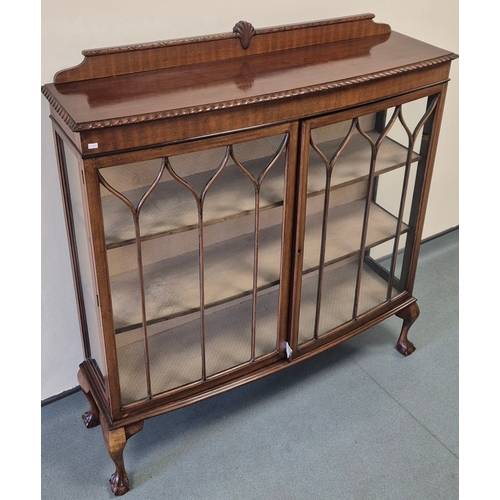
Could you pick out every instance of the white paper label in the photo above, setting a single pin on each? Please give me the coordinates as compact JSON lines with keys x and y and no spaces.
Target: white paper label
{"x":93,"y":145}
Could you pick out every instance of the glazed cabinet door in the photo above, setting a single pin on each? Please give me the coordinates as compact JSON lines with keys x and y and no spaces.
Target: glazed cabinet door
{"x":197,"y":259}
{"x":362,"y":189}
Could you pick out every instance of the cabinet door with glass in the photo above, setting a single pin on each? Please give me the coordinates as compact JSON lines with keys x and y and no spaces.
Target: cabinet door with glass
{"x":197,"y":259}
{"x":360,"y":193}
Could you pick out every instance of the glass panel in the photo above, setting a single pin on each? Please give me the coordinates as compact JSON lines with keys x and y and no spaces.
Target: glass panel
{"x":131,"y":214}
{"x":84,"y":257}
{"x":194,"y":267}
{"x":361,"y":187}
{"x":394,"y":192}
{"x":242,"y":255}
{"x":339,"y":164}
{"x":228,"y":275}
{"x":269,"y":253}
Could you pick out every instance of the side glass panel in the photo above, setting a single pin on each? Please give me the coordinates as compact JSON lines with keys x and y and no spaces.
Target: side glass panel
{"x":89,"y":318}
{"x":360,"y":193}
{"x":194,"y":256}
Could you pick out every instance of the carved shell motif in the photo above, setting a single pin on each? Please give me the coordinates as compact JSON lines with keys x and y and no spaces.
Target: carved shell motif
{"x":244,"y":31}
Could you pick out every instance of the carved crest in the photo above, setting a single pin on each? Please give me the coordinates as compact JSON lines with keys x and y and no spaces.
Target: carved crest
{"x":244,"y":31}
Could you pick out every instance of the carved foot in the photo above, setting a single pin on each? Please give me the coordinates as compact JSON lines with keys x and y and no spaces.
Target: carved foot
{"x":408,"y":315}
{"x":90,"y":418}
{"x":405,"y":348}
{"x":119,"y":482}
{"x":116,"y":440}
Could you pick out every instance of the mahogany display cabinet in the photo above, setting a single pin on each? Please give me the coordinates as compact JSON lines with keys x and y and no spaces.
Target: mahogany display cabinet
{"x":237,"y":203}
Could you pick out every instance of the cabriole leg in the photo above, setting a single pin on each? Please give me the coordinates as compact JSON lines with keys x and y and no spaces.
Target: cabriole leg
{"x":115,"y":441}
{"x":408,"y":315}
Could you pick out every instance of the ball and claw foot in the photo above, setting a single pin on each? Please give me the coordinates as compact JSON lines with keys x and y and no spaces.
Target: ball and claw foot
{"x":408,"y":315}
{"x":405,"y":348}
{"x":119,"y":483}
{"x":90,"y":419}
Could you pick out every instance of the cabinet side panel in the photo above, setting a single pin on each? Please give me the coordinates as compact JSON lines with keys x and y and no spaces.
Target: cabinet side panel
{"x":430,"y":135}
{"x":75,"y":206}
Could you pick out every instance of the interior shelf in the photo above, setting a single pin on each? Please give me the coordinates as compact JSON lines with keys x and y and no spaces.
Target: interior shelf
{"x":346,"y":220}
{"x":172,"y":285}
{"x":354,"y":162}
{"x":172,"y":208}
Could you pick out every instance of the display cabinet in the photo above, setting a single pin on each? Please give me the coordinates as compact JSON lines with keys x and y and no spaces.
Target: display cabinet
{"x":237,"y":203}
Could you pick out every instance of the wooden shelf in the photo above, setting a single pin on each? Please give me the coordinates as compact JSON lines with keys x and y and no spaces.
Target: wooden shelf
{"x":354,"y":162}
{"x":346,"y":220}
{"x":173,"y":209}
{"x":172,"y":285}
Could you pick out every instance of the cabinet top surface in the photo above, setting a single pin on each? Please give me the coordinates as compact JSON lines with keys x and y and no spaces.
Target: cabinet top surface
{"x":213,"y":73}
